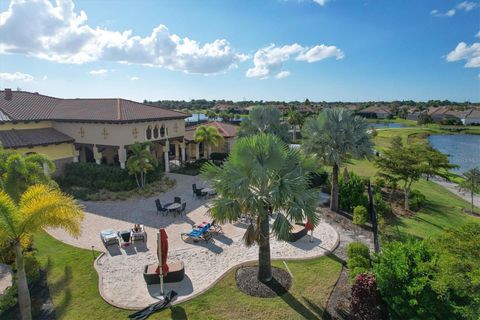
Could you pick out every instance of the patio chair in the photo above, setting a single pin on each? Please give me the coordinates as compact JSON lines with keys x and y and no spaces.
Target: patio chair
{"x":181,"y":210}
{"x":109,"y":237}
{"x":198,"y":234}
{"x":194,"y":188}
{"x":177,"y":200}
{"x":200,"y":194}
{"x":160,"y":209}
{"x":214,"y":226}
{"x":139,"y":234}
{"x":124,"y":237}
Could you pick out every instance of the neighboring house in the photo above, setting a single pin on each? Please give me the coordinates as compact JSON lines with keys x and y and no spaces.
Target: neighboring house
{"x":446,"y":113}
{"x":414,"y":115}
{"x":87,"y":130}
{"x":198,"y":150}
{"x":472,"y":118}
{"x":375,"y":112}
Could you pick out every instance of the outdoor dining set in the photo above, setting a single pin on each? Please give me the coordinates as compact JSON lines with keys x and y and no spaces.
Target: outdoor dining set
{"x":175,"y":207}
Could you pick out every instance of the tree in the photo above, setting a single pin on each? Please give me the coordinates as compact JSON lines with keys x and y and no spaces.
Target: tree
{"x":209,"y":136}
{"x":351,"y":192}
{"x":211,"y":114}
{"x":471,"y":183}
{"x":334,"y":137}
{"x":408,"y":163}
{"x":264,"y":119}
{"x":261,"y":177}
{"x":360,"y":215}
{"x":18,"y":172}
{"x":140,"y":162}
{"x":294,"y":118}
{"x":40,"y":206}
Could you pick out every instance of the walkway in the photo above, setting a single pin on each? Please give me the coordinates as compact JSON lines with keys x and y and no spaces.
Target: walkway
{"x":453,"y":188}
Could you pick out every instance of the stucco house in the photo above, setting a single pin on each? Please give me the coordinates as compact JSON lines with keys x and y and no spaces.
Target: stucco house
{"x":87,"y":130}
{"x":199,"y":151}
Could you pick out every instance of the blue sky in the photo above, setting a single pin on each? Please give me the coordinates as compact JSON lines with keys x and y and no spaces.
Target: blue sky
{"x":332,"y":50}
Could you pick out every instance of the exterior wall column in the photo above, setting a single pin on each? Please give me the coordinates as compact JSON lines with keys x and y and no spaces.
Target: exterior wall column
{"x":122,"y":156}
{"x":197,"y":150}
{"x":97,"y":155}
{"x":83,"y":157}
{"x":182,"y":146}
{"x":177,"y":151}
{"x":165,"y":151}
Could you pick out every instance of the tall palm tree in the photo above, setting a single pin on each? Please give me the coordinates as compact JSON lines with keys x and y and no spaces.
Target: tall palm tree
{"x":294,"y":118}
{"x":471,"y":183}
{"x":140,"y":162}
{"x":262,"y":176}
{"x":18,"y":172}
{"x":38,"y":207}
{"x":209,"y":136}
{"x":264,"y":119}
{"x":334,"y":137}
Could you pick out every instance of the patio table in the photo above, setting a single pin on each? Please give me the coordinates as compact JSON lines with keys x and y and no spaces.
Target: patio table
{"x":209,"y":191}
{"x":173,"y":206}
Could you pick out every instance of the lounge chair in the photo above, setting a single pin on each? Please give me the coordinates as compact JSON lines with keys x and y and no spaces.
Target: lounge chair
{"x":139,"y":234}
{"x":109,"y":237}
{"x":124,"y":237}
{"x":198,"y":234}
{"x":160,"y":209}
{"x":214,"y":226}
{"x":176,"y":273}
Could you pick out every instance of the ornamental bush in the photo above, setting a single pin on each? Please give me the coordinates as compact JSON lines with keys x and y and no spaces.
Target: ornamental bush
{"x":352,"y":192}
{"x":365,"y":302}
{"x":358,"y":259}
{"x":360,"y":215}
{"x":358,"y":248}
{"x":416,"y":200}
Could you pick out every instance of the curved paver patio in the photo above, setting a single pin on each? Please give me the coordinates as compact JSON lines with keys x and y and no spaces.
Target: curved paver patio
{"x":120,"y":271}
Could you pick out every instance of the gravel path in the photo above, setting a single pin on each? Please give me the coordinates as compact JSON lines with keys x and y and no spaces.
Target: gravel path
{"x":5,"y":277}
{"x":122,"y":282}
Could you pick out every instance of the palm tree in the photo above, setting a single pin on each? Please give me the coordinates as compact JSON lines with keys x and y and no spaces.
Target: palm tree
{"x":295,"y":119}
{"x":471,"y":183}
{"x":334,"y":137}
{"x":140,"y":162}
{"x":209,"y":136}
{"x":18,"y":172}
{"x":262,"y":176}
{"x":40,"y":206}
{"x":264,"y":119}
{"x":211,"y":114}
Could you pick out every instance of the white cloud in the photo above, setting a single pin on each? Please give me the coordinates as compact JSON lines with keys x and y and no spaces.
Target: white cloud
{"x":134,"y":78}
{"x":465,"y":6}
{"x":16,"y":76}
{"x":44,"y":78}
{"x":98,"y":72}
{"x":282,"y":74}
{"x":320,"y":52}
{"x":320,"y":2}
{"x":56,"y":32}
{"x":465,"y":52}
{"x":269,"y":61}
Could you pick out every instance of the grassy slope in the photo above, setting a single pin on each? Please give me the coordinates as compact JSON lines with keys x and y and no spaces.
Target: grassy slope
{"x":73,"y":287}
{"x":444,"y":208}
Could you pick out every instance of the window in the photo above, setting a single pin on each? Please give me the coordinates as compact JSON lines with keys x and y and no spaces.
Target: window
{"x":148,"y":133}
{"x":155,"y":132}
{"x":162,"y":131}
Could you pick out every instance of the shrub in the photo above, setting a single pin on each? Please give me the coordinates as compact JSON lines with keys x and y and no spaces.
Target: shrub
{"x":8,"y":299}
{"x":218,"y":156}
{"x":381,"y":206}
{"x":365,"y":300}
{"x":359,"y":215}
{"x":416,"y":200}
{"x":358,"y":248}
{"x":317,"y":179}
{"x":352,"y":193}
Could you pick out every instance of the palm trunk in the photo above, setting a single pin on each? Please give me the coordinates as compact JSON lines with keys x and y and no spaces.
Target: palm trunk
{"x":136,"y":179}
{"x":334,"y":195}
{"x":264,"y":262}
{"x":471,"y":194}
{"x":406,"y":191}
{"x":209,"y":149}
{"x":23,"y":292}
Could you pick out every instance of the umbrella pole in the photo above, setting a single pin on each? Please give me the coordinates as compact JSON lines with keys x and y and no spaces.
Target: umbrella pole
{"x":159,"y":252}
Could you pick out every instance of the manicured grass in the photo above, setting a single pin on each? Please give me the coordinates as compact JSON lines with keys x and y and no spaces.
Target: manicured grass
{"x":73,"y":285}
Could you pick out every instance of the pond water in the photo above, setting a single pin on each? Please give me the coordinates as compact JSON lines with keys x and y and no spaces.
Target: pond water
{"x":462,"y":149}
{"x":386,"y":125}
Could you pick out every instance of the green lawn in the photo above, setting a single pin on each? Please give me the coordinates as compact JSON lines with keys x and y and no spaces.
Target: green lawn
{"x":73,"y":287}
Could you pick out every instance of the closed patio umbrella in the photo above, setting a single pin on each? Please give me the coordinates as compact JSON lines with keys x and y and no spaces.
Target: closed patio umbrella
{"x":162,"y":252}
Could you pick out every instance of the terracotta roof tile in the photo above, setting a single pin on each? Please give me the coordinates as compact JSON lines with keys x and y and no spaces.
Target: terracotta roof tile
{"x":32,"y":106}
{"x":225,"y":129}
{"x":32,"y":137}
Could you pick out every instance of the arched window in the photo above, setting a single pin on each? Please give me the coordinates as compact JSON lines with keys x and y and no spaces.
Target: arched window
{"x":162,"y":131}
{"x":148,"y":133}
{"x":155,"y":132}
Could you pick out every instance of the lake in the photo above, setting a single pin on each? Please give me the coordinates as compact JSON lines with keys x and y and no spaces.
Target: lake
{"x":386,"y":125}
{"x":462,"y":149}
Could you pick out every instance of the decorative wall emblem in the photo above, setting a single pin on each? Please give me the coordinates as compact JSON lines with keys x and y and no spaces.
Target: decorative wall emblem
{"x":82,"y":132}
{"x":105,"y":133}
{"x":135,"y":133}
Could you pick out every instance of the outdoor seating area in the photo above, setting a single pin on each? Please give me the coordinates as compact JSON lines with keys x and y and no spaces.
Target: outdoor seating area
{"x":124,"y":237}
{"x":177,"y":207}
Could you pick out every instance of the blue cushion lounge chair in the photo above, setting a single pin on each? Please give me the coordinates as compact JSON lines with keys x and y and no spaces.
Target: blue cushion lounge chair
{"x":198,"y":234}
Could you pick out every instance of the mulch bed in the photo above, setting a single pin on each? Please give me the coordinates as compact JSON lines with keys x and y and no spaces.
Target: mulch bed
{"x":472,"y":213}
{"x":247,"y":282}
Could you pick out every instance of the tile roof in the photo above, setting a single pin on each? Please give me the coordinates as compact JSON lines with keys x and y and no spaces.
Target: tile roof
{"x":25,"y":106}
{"x":375,"y":109}
{"x":225,"y":129}
{"x":32,"y":137}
